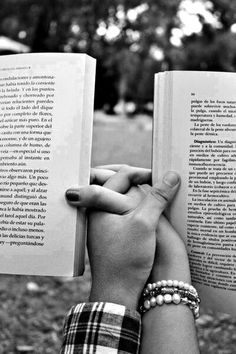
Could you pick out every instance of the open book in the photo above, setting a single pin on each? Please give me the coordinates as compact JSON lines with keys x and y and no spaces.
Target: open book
{"x":46,"y":110}
{"x":195,"y":135}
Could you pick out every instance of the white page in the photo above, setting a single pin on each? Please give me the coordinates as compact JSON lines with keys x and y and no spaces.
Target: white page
{"x":212,"y":245}
{"x":46,"y":94}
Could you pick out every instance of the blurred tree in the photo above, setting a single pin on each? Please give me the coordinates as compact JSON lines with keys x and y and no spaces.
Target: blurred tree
{"x":131,"y":39}
{"x":118,"y":33}
{"x":46,"y":32}
{"x":214,"y":46}
{"x":18,"y":19}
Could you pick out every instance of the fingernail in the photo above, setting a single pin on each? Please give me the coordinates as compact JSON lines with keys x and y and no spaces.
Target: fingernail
{"x":171,"y":178}
{"x":72,"y":195}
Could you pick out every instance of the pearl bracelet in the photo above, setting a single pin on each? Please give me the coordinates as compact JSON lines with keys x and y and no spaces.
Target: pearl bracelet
{"x":170,"y":291}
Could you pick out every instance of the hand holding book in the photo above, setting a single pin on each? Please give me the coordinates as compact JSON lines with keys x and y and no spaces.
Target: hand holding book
{"x":122,"y":242}
{"x":124,"y":248}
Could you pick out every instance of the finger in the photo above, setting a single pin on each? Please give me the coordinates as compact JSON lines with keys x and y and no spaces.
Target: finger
{"x":101,"y":198}
{"x":113,"y":167}
{"x":138,"y":193}
{"x":158,"y":198}
{"x":118,"y":167}
{"x":145,"y":188}
{"x":126,"y":177}
{"x":100,"y":176}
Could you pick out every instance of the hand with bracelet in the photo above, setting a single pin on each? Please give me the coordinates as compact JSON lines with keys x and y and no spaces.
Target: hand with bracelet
{"x":169,"y":328}
{"x":124,"y":214}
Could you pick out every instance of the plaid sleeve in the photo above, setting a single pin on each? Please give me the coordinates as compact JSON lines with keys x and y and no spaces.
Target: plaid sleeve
{"x":101,"y":327}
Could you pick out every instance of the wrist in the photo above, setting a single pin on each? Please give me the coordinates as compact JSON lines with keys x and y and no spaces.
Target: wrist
{"x":176,"y":267}
{"x":175,"y":272}
{"x":114,"y":294}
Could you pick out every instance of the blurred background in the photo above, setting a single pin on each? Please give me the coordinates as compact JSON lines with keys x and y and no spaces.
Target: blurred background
{"x":131,"y":40}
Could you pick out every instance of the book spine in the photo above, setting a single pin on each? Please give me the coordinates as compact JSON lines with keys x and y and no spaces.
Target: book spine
{"x":85,"y":159}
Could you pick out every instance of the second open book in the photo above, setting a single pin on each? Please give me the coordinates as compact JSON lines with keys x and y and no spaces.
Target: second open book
{"x":195,"y":134}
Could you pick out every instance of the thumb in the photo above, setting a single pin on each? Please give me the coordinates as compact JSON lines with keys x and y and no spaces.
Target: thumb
{"x":158,"y":197}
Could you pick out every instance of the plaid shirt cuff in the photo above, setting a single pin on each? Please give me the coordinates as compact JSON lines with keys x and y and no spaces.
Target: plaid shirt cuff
{"x":101,"y":327}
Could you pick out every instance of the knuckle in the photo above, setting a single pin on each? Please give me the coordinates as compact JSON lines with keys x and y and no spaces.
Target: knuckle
{"x":125,"y":169}
{"x":131,"y":173}
{"x":161,"y":195}
{"x":95,"y":191}
{"x":141,"y":222}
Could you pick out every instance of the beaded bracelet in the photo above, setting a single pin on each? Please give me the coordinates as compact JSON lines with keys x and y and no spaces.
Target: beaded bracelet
{"x":170,"y":291}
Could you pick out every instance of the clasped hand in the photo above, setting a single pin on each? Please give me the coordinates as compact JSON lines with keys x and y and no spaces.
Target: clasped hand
{"x":129,"y":241}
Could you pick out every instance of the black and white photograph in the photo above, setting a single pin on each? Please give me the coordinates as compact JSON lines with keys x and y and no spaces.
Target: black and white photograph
{"x":118,"y":177}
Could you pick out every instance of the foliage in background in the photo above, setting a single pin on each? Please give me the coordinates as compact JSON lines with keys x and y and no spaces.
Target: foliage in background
{"x":132,"y":39}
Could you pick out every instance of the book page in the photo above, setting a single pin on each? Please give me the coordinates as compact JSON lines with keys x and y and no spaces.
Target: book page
{"x":203,"y":151}
{"x":41,"y":117}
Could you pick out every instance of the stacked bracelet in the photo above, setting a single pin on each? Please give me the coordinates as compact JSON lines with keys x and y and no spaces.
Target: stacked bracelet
{"x":170,"y":291}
